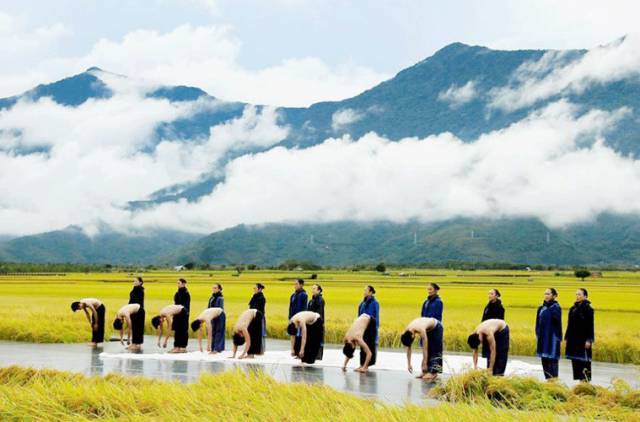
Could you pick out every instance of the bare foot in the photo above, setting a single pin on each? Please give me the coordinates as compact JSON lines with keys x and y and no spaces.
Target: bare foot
{"x":93,"y":344}
{"x":213,"y":353}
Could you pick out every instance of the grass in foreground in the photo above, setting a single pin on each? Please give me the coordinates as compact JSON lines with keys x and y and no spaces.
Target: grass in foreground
{"x":620,"y":402}
{"x":29,"y":394}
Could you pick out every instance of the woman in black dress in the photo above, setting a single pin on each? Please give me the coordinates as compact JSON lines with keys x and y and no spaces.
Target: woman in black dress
{"x":259,"y":302}
{"x":494,"y":309}
{"x":580,"y":336}
{"x":137,"y":320}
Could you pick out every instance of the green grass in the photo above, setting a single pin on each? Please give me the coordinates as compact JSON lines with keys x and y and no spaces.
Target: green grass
{"x":36,"y":308}
{"x":44,"y":395}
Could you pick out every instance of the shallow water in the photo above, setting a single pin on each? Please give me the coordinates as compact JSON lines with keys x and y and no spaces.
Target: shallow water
{"x":389,"y":381}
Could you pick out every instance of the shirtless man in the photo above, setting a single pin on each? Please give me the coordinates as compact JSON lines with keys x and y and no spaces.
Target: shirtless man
{"x":207,"y":317}
{"x":355,"y":337}
{"x":124,"y":315}
{"x":167,"y":315}
{"x":494,"y":336}
{"x":300,"y":321}
{"x":94,"y":310}
{"x":248,"y":331}
{"x":429,"y":330}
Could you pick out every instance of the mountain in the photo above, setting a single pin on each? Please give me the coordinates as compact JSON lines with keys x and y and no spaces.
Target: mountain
{"x":610,"y":240}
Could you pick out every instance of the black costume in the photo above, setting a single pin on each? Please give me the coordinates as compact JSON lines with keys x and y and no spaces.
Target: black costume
{"x":493,"y":310}
{"x":180,"y":327}
{"x":579,"y":331}
{"x":97,"y":336}
{"x":369,"y":338}
{"x":255,"y":334}
{"x":137,"y":320}
{"x":502,"y":351}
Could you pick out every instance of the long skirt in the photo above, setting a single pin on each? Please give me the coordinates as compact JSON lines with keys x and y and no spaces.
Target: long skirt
{"x":581,"y":369}
{"x":137,"y":327}
{"x":180,"y":327}
{"x":434,"y":348}
{"x":255,"y":334}
{"x":97,"y":336}
{"x":550,"y":368}
{"x":369,"y":338}
{"x":218,"y":326}
{"x":314,"y":342}
{"x":502,"y":351}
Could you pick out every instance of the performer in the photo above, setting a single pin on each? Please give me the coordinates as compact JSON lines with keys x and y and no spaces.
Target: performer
{"x":357,"y":334}
{"x":94,"y":310}
{"x":432,"y":306}
{"x":316,"y":304}
{"x":248,"y":331}
{"x":216,"y":300}
{"x":494,"y":336}
{"x":214,"y":320}
{"x":580,"y":336}
{"x":182,"y":296}
{"x":259,"y":302}
{"x":310,"y":325}
{"x":430,"y":331}
{"x":494,"y":309}
{"x":549,"y":333}
{"x":135,"y":330}
{"x":175,"y":316}
{"x":297,"y":303}
{"x":137,"y":293}
{"x":371,"y":307}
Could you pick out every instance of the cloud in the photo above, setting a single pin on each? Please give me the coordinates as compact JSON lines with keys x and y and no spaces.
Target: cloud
{"x":539,"y":167}
{"x":549,"y":77}
{"x":344,"y":117}
{"x":458,"y":95}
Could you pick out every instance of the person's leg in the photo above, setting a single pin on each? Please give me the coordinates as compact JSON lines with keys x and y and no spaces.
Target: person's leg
{"x":502,"y":352}
{"x":99,"y":334}
{"x":219,"y":330}
{"x":546,"y":368}
{"x":435,"y":342}
{"x":553,"y":368}
{"x":587,"y":371}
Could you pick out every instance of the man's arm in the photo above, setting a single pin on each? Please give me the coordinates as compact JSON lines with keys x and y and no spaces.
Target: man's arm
{"x":492,"y":351}
{"x":303,"y":341}
{"x":129,"y":329}
{"x":293,"y":345}
{"x":425,"y":351}
{"x":235,"y":350}
{"x":409,"y":367}
{"x":346,"y":361}
{"x":86,"y":313}
{"x":169,"y":321}
{"x":475,"y":358}
{"x":247,"y":343}
{"x":209,"y":336}
{"x":160,"y":334}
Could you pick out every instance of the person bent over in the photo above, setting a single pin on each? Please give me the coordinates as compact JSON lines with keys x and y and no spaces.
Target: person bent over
{"x":248,"y":331}
{"x":493,"y":334}
{"x":310,"y":326}
{"x":214,"y":321}
{"x":176,"y":318}
{"x":133,"y":316}
{"x":361,"y":333}
{"x":94,"y":310}
{"x":430,"y":332}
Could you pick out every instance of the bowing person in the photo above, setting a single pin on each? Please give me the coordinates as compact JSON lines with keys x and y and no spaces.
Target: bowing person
{"x":135,"y":331}
{"x":213,"y":321}
{"x":176,"y":319}
{"x":248,"y":331}
{"x":493,"y":334}
{"x":430,"y":331}
{"x":94,"y":310}
{"x":310,"y":325}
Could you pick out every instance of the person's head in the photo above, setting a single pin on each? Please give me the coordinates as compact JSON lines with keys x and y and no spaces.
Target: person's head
{"x":494,"y":294}
{"x":581,"y":294}
{"x":238,"y":339}
{"x":258,"y":288}
{"x":117,"y":324}
{"x":138,"y":281}
{"x":216,"y":288}
{"x":195,"y":325}
{"x":292,"y":329}
{"x":369,"y":291}
{"x":474,"y":341}
{"x":432,"y":289}
{"x":550,"y":294}
{"x":76,"y":305}
{"x":299,"y":284}
{"x":407,"y":338}
{"x":182,"y":282}
{"x":316,"y":289}
{"x":348,"y":350}
{"x":156,"y":321}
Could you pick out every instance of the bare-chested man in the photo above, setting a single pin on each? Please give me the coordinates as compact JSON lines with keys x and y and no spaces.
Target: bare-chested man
{"x":494,"y":336}
{"x":174,"y":316}
{"x":248,"y":331}
{"x":355,"y":337}
{"x":94,"y":310}
{"x":310,"y":325}
{"x":127,"y":314}
{"x":429,"y":330}
{"x":211,"y":318}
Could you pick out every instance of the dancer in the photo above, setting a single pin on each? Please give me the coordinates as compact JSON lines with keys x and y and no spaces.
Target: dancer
{"x":580,"y":336}
{"x":297,"y":303}
{"x":371,"y":307}
{"x":182,"y":296}
{"x":214,"y":320}
{"x":248,"y":331}
{"x":494,"y":309}
{"x":216,"y":300}
{"x":175,"y":316}
{"x":362,"y":327}
{"x":316,"y":304}
{"x":430,"y":331}
{"x":96,"y":318}
{"x":135,"y":331}
{"x":549,"y":333}
{"x":259,"y":302}
{"x":493,"y":334}
{"x":432,"y":306}
{"x":310,"y":325}
{"x":137,"y":292}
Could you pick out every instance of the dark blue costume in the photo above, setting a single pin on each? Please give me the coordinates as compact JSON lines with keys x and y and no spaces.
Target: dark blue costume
{"x":298,"y":303}
{"x":549,"y":334}
{"x":432,"y":308}
{"x":371,"y":307}
{"x":218,"y":325}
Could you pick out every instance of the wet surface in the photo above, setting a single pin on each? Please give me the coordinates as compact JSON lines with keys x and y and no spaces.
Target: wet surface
{"x":393,"y":386}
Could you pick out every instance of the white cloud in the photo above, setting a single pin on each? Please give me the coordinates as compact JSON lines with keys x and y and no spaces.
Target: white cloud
{"x":344,"y":117}
{"x":458,"y":95}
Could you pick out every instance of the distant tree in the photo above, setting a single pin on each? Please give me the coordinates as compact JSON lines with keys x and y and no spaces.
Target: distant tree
{"x":189,"y":266}
{"x":239,"y":269}
{"x":582,"y":274}
{"x":314,"y":276}
{"x":381,"y":267}
{"x":251,"y":267}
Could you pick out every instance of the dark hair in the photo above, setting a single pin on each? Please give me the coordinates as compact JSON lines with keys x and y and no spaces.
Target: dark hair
{"x":140,"y":280}
{"x":117,"y":324}
{"x":584,"y":291}
{"x":75,"y":306}
{"x":219,"y":286}
{"x":407,"y":338}
{"x":292,"y":329}
{"x":238,"y":340}
{"x":300,"y":281}
{"x":155,"y":321}
{"x":182,"y":280}
{"x":195,"y":325}
{"x":348,"y":350}
{"x":371,"y":289}
{"x":474,"y":341}
{"x":553,"y":291}
{"x":260,"y":286}
{"x":319,"y":287}
{"x":497,"y":292}
{"x":435,"y":286}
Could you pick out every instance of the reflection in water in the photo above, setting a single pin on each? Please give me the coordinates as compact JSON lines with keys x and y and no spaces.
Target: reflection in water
{"x":368,"y":383}
{"x":307,"y":374}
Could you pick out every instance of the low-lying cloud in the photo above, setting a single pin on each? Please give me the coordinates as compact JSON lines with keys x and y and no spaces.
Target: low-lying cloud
{"x":458,"y":95}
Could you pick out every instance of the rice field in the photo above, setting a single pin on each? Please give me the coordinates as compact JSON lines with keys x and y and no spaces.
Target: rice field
{"x":35,"y":308}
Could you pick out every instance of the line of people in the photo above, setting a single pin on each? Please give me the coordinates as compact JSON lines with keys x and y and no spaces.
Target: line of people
{"x":306,"y":328}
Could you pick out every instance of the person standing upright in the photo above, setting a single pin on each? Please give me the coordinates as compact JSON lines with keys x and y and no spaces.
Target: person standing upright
{"x":494,"y":309}
{"x":180,"y":323}
{"x":218,"y":326}
{"x":297,"y":303}
{"x":580,"y":336}
{"x":316,"y":304}
{"x":549,"y":333}
{"x":182,"y":296}
{"x":259,"y":302}
{"x":371,"y":307}
{"x":216,"y":300}
{"x":432,"y":306}
{"x":136,"y":296}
